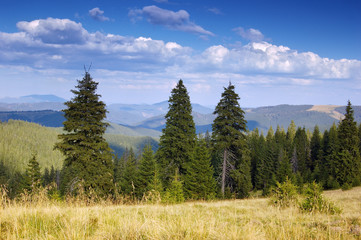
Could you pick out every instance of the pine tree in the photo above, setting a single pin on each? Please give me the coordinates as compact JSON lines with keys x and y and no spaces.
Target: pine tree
{"x":148,"y":172}
{"x":291,"y":131}
{"x":348,"y":161}
{"x":303,"y":152}
{"x":88,"y":158}
{"x":33,"y":175}
{"x":315,"y":146}
{"x":229,"y":139}
{"x":128,"y":178}
{"x":199,"y":182}
{"x":285,"y":167}
{"x":179,"y":135}
{"x":174,"y":193}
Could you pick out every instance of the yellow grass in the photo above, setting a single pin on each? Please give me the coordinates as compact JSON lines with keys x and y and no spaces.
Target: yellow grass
{"x":329,"y":109}
{"x":234,"y":219}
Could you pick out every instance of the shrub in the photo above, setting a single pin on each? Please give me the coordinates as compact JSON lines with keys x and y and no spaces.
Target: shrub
{"x":314,"y":201}
{"x":284,"y":194}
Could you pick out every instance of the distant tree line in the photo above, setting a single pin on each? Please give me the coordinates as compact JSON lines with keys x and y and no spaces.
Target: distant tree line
{"x":230,"y":162}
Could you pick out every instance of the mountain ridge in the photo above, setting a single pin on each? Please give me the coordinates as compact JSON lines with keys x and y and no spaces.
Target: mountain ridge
{"x":148,"y":119}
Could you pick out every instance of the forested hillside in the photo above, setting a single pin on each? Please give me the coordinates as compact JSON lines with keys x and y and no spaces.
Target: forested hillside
{"x":20,"y":140}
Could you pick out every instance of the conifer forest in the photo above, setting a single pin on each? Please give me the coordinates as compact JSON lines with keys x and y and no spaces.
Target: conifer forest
{"x":230,"y":183}
{"x":230,"y":162}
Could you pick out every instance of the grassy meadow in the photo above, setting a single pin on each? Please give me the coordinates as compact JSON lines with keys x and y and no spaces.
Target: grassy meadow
{"x":231,"y":219}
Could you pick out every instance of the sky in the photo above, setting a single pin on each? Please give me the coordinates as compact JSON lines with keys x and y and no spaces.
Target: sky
{"x":274,"y":52}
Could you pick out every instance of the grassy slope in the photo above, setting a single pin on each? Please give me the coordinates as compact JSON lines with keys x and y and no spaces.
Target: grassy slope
{"x":233,"y":219}
{"x":19,"y":140}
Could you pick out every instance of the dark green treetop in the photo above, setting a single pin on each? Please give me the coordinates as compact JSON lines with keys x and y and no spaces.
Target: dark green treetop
{"x":229,"y":126}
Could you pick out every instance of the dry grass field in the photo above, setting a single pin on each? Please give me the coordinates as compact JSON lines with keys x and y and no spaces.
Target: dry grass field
{"x":232,"y":219}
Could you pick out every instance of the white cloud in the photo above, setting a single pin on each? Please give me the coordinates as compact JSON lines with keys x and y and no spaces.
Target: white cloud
{"x":143,"y":63}
{"x":215,"y":11}
{"x":249,"y":34}
{"x":54,"y":31}
{"x":98,"y":15}
{"x":173,"y":20}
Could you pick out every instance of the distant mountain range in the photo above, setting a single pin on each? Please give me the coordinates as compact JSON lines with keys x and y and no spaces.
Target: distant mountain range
{"x":148,"y":119}
{"x":33,"y":99}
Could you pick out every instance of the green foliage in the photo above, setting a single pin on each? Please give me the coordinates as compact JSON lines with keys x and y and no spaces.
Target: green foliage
{"x":88,"y":157}
{"x":33,"y":175}
{"x":198,"y":181}
{"x":284,"y":194}
{"x":179,"y":135}
{"x":20,"y":139}
{"x":148,"y":173}
{"x":127,"y":175}
{"x":119,"y":143}
{"x":174,"y":193}
{"x":229,"y":137}
{"x":348,"y":161}
{"x":315,"y":202}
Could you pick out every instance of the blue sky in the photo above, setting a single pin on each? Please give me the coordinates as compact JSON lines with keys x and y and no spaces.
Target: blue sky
{"x":274,"y":52}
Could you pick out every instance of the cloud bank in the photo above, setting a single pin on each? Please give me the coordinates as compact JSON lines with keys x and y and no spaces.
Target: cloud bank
{"x":49,"y":47}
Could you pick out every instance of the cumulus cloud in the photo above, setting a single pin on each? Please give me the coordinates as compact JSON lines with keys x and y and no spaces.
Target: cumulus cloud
{"x":62,"y":43}
{"x":98,"y":15}
{"x":53,"y":30}
{"x":249,"y":34}
{"x":173,"y":20}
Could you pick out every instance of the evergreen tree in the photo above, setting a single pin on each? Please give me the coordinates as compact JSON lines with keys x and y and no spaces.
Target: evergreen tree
{"x":330,"y":150}
{"x":128,"y":177}
{"x":88,"y":158}
{"x":148,"y":176}
{"x":229,"y":139}
{"x":174,"y":193}
{"x":348,"y":161}
{"x":260,"y":154}
{"x":199,"y":182}
{"x":46,"y":177}
{"x":285,"y":168}
{"x":32,"y":174}
{"x":303,"y":152}
{"x":291,"y":131}
{"x":179,"y":135}
{"x":315,"y":146}
{"x":270,"y":162}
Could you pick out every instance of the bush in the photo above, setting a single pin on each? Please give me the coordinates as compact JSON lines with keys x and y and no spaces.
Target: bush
{"x":314,"y":201}
{"x":284,"y":194}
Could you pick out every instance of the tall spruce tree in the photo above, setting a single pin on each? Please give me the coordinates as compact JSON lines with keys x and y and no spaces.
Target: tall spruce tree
{"x":199,"y":182}
{"x":349,"y":163}
{"x":178,"y":137}
{"x":229,"y":139}
{"x":88,"y":158}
